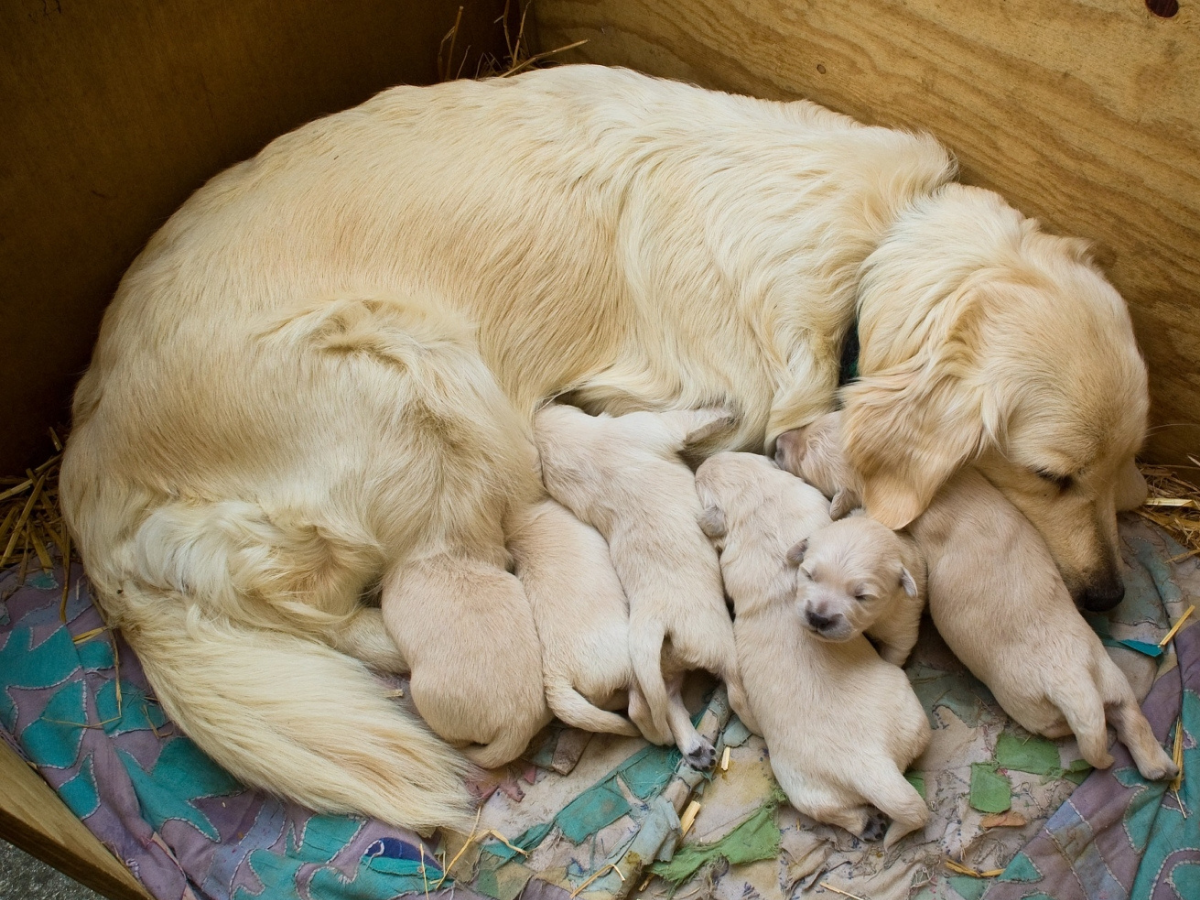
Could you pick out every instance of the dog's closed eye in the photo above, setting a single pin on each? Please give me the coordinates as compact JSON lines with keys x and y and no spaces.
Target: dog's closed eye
{"x":1062,"y":482}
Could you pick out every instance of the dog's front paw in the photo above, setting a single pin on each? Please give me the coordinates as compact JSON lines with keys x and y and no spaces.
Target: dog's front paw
{"x":702,"y":756}
{"x":875,"y":828}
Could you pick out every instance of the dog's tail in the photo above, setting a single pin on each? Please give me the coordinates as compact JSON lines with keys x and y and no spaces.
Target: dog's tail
{"x":291,"y":715}
{"x":899,"y":801}
{"x":645,"y":654}
{"x":575,"y":709}
{"x":1132,"y":726}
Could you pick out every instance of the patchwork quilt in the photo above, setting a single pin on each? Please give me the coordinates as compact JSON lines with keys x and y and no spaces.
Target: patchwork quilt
{"x":595,"y":816}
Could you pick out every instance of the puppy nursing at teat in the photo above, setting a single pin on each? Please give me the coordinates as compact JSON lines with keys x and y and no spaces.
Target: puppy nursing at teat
{"x":581,"y":614}
{"x":841,"y":724}
{"x":997,"y":599}
{"x":466,"y":630}
{"x":623,"y":475}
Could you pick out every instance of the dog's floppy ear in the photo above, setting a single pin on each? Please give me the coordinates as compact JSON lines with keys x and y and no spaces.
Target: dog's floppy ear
{"x":1131,"y":490}
{"x":795,"y":555}
{"x":843,"y":502}
{"x":908,"y":582}
{"x":908,"y":428}
{"x":789,"y":450}
{"x":712,"y":522}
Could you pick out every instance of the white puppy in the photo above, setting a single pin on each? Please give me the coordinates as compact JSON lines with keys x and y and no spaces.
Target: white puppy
{"x":997,"y":598}
{"x":624,"y":476}
{"x":841,"y":724}
{"x":466,"y":629}
{"x":999,"y":602}
{"x":581,"y":613}
{"x":864,"y":578}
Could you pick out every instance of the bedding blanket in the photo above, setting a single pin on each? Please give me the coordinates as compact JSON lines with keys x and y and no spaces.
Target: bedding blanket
{"x":598,"y":816}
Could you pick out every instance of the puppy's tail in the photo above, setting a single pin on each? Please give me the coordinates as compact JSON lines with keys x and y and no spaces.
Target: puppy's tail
{"x":645,"y":653}
{"x":291,"y":715}
{"x":575,"y":709}
{"x":1132,"y":726}
{"x":900,"y":802}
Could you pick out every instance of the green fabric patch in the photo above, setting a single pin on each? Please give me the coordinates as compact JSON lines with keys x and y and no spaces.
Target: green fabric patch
{"x":54,"y":739}
{"x":80,"y":792}
{"x":1021,"y":869}
{"x":1078,"y":771}
{"x":1100,"y":625}
{"x":23,"y":665}
{"x":736,"y":733}
{"x":96,"y":654}
{"x":528,"y":839}
{"x":501,"y":880}
{"x":991,"y":792}
{"x":961,"y":694}
{"x":1036,"y":755}
{"x":756,"y":838}
{"x":917,"y":780}
{"x":967,"y":887}
{"x":648,"y":771}
{"x":595,"y":808}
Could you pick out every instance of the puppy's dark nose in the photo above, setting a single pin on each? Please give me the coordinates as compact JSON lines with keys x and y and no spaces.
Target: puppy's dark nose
{"x":818,"y":621}
{"x":1103,"y":596}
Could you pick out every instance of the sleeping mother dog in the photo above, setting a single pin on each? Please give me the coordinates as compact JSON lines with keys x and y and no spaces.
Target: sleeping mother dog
{"x":324,"y":367}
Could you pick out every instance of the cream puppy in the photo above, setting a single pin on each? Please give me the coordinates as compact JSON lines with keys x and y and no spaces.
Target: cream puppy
{"x":624,"y":476}
{"x":863,"y":578}
{"x":581,"y":614}
{"x":841,"y":724}
{"x":466,"y":630}
{"x":998,"y":600}
{"x":996,"y":597}
{"x":815,"y":453}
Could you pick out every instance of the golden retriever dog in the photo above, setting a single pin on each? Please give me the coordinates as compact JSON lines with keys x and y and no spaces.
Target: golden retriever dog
{"x":624,"y":476}
{"x":816,"y":454}
{"x":863,"y":578}
{"x":841,"y":724}
{"x":581,"y":614}
{"x":326,"y":364}
{"x":466,"y":629}
{"x":997,"y":599}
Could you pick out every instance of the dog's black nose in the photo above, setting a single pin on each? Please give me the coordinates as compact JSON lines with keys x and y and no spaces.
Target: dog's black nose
{"x":818,"y":621}
{"x":1103,"y":596}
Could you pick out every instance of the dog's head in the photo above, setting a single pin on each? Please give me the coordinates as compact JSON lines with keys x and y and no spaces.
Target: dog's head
{"x":987,"y":341}
{"x":854,"y":571}
{"x":815,"y":453}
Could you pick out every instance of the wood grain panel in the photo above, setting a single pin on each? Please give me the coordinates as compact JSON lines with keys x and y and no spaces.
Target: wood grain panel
{"x":34,"y":819}
{"x":1084,"y":113}
{"x":112,"y":113}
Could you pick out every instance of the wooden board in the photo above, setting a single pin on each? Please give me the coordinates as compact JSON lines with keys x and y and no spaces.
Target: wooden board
{"x":114,"y":112}
{"x":1084,"y":113}
{"x":34,"y":819}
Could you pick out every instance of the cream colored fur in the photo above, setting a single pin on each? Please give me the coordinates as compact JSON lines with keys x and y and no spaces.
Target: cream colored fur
{"x":841,"y":724}
{"x":816,"y":454}
{"x":624,"y":476}
{"x":582,"y":617}
{"x":999,"y":602}
{"x":325,"y":365}
{"x":467,"y":631}
{"x":863,"y":578}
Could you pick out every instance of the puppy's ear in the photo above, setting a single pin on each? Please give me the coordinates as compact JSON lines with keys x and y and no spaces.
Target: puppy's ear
{"x":1131,"y":489}
{"x":690,"y":427}
{"x":908,"y":582}
{"x":712,"y":522}
{"x":789,"y":450}
{"x":909,"y":427}
{"x":795,"y":555}
{"x":843,"y":502}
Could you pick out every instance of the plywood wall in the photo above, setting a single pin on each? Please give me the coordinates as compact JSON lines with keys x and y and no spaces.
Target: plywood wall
{"x":1085,"y":113}
{"x":112,"y":113}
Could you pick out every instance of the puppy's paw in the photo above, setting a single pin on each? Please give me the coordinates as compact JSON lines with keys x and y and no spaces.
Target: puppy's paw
{"x":1159,"y":768}
{"x":702,"y":756}
{"x":876,"y":827}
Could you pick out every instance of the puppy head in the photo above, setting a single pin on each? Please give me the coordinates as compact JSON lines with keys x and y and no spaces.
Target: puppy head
{"x":815,"y":453}
{"x":854,"y":571}
{"x":987,"y":341}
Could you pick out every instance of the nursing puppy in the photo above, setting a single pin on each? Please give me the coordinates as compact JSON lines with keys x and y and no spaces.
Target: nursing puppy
{"x":624,"y":476}
{"x":1001,"y":606}
{"x":582,"y":617}
{"x":466,"y":629}
{"x":816,"y":454}
{"x":840,"y":723}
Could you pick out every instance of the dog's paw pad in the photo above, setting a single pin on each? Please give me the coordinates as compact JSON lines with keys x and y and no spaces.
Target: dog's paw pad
{"x":876,"y":827}
{"x":702,"y":756}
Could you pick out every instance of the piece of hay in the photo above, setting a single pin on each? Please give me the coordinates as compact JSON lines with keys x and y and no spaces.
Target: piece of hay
{"x":1174,"y":504}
